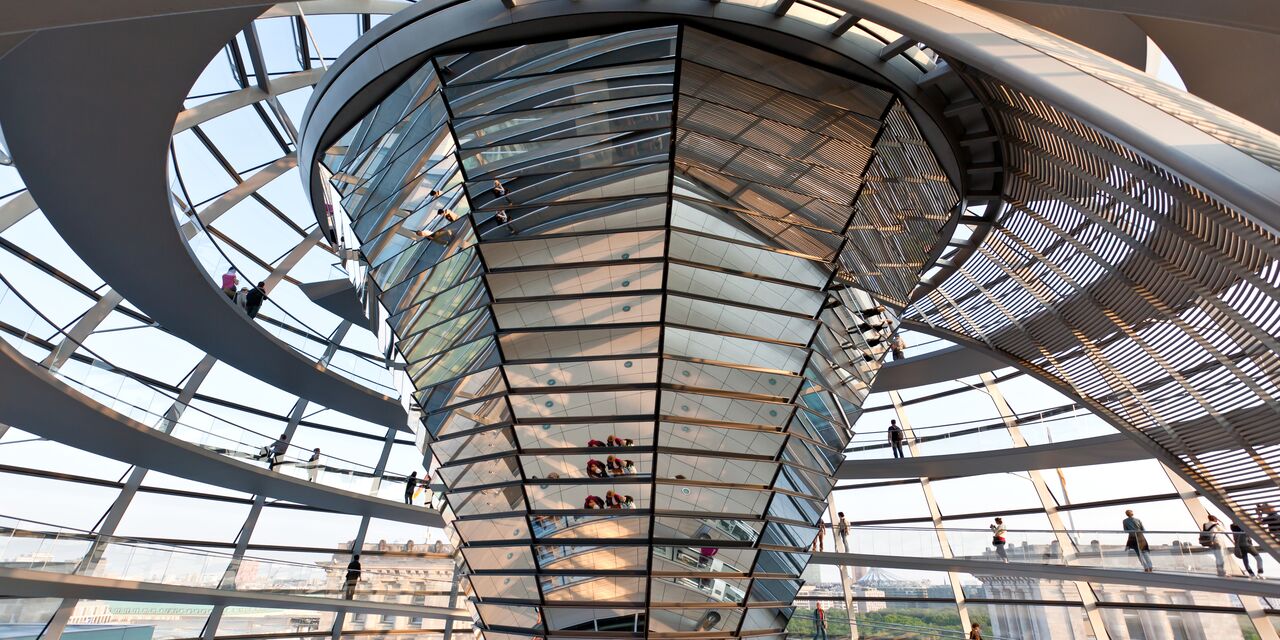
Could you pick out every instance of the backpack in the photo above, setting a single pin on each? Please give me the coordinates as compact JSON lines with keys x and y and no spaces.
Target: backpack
{"x":1206,"y":538}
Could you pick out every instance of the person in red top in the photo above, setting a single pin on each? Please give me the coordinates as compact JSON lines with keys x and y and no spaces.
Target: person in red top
{"x":596,"y":470}
{"x":819,"y":623}
{"x":594,"y":443}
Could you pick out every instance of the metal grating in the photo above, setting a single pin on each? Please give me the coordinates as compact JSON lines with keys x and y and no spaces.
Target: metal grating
{"x":1155,"y":303}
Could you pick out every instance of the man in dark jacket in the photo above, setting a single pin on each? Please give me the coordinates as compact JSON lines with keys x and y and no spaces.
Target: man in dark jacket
{"x":895,"y":438}
{"x":353,"y":577}
{"x":278,"y":448}
{"x":254,"y":299}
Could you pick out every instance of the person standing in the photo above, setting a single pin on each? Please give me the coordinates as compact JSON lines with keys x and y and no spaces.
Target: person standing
{"x":313,"y":465}
{"x":819,"y":623}
{"x":353,"y":577}
{"x":1210,"y":533}
{"x":253,"y":300}
{"x":975,"y":631}
{"x":1245,"y":547}
{"x":1137,"y":541}
{"x":229,"y":282}
{"x":897,"y":345}
{"x":895,"y":438}
{"x":277,"y":451}
{"x":843,"y":529}
{"x":410,"y":484}
{"x":997,"y":539}
{"x":820,"y":541}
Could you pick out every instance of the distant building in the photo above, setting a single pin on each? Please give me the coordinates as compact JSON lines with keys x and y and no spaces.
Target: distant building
{"x":408,"y":573}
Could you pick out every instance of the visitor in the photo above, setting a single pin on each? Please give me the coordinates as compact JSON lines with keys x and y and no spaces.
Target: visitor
{"x":706,"y":555}
{"x":611,"y":500}
{"x":313,"y":465}
{"x":614,"y":466}
{"x":997,"y":539}
{"x":897,"y":345}
{"x":502,"y":216}
{"x":819,"y":623}
{"x":596,"y":470}
{"x":627,"y":502}
{"x":353,"y":577}
{"x":628,"y":468}
{"x":1210,"y":533}
{"x":254,"y":299}
{"x":842,"y":528}
{"x":242,"y":299}
{"x":595,"y":443}
{"x":1245,"y":547}
{"x":593,"y":502}
{"x":410,"y":484}
{"x":895,"y":438}
{"x":499,"y":190}
{"x":229,"y":283}
{"x":277,"y":451}
{"x":820,"y":541}
{"x":1269,"y":518}
{"x":975,"y":631}
{"x":1137,"y":541}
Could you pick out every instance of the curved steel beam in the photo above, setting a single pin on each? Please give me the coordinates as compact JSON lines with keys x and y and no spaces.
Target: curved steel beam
{"x":45,"y":584}
{"x":1176,"y":581}
{"x":1053,"y":68}
{"x":119,"y":218}
{"x":35,"y":401}
{"x":936,"y":366}
{"x":1249,"y":15}
{"x":1072,"y":453}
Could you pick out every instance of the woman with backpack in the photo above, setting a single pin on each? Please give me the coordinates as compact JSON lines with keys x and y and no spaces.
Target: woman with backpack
{"x":1209,"y":532}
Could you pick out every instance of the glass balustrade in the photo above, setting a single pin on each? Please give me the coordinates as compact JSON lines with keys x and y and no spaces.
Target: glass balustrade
{"x":37,"y":546}
{"x":1170,"y":551}
{"x":31,"y":334}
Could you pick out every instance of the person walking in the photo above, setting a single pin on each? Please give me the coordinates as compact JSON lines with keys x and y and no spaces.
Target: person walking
{"x":1210,"y":536}
{"x":820,"y":541}
{"x":819,"y":623}
{"x":277,"y":451}
{"x":253,"y":300}
{"x":895,"y":438}
{"x":353,"y":578}
{"x":897,"y":345}
{"x":842,"y":528}
{"x":1137,"y":541}
{"x":998,"y":541}
{"x":975,"y":631}
{"x":410,"y":484}
{"x":1245,"y":547}
{"x":313,"y":465}
{"x":229,"y":283}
